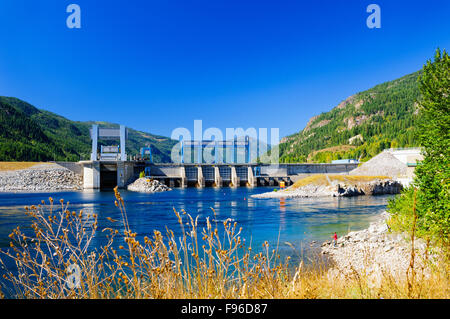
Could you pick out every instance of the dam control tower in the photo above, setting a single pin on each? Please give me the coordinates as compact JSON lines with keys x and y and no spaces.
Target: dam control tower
{"x":110,"y":152}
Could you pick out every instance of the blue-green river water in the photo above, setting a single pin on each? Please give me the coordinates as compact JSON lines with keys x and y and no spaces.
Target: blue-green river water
{"x":295,"y":221}
{"x":295,"y":227}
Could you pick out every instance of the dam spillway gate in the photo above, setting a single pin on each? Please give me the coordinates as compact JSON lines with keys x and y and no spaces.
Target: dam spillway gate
{"x":109,"y":174}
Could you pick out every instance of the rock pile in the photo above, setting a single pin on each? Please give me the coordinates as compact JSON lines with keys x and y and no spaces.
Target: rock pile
{"x":147,"y":185}
{"x":43,"y":179}
{"x":374,"y":252}
{"x":376,"y":187}
{"x":384,"y":164}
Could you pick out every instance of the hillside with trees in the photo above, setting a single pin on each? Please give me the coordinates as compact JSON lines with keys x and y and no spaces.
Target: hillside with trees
{"x":30,"y":134}
{"x":425,"y":205}
{"x":359,"y":127}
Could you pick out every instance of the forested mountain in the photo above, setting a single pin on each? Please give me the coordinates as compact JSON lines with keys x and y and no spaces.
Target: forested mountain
{"x":30,"y":134}
{"x":359,"y":127}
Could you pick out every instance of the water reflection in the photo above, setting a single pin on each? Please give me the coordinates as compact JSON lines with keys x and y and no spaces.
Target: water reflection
{"x":279,"y":221}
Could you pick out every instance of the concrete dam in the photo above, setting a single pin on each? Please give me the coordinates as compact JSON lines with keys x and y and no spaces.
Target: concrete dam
{"x":108,"y":174}
{"x":234,"y":165}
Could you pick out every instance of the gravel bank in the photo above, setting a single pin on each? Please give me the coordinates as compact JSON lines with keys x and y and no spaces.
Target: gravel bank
{"x":147,"y":186}
{"x":336,"y":189}
{"x":306,"y":191}
{"x":374,"y":252}
{"x":42,"y":177}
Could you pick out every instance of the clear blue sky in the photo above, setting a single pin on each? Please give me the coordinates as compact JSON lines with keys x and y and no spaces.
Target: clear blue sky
{"x":156,"y":65}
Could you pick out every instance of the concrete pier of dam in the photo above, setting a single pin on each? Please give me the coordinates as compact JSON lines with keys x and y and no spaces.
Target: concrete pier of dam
{"x":108,"y":174}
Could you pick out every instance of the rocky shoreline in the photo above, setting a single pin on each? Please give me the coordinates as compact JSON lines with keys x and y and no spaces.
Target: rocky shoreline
{"x":374,"y":252}
{"x":44,"y":178}
{"x":375,"y":187}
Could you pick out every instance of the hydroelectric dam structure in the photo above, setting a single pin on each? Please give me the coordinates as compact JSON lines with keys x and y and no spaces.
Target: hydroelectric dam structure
{"x":228,"y":167}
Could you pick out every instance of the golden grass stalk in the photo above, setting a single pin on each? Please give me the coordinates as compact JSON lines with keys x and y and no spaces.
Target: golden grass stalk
{"x":212,"y":262}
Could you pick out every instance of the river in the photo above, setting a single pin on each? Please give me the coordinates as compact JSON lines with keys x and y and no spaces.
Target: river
{"x":291,"y":224}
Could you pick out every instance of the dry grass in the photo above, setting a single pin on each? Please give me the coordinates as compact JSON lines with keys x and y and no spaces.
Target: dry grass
{"x":209,"y":263}
{"x":11,"y":166}
{"x":325,"y":179}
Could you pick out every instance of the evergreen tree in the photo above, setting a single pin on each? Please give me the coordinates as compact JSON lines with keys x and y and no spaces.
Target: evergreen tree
{"x":433,"y":174}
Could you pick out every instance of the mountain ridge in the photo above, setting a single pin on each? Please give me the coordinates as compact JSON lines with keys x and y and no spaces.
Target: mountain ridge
{"x":360,"y":126}
{"x":28,"y":133}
